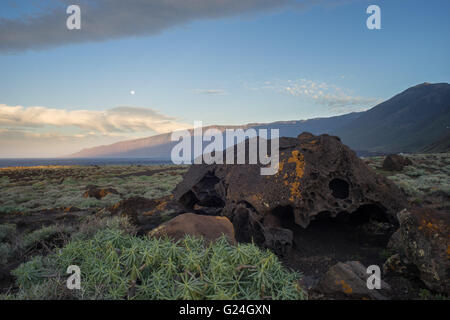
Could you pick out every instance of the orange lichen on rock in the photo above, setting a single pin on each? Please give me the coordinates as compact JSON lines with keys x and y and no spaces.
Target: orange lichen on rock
{"x":160,"y":207}
{"x":280,"y":166}
{"x":345,"y":287}
{"x":298,"y":159}
{"x":432,"y":226}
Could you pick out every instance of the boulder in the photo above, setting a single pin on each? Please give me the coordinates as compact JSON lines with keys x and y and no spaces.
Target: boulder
{"x":317,"y":176}
{"x":349,"y":281}
{"x":423,"y":244}
{"x":98,"y":193}
{"x":395,"y":162}
{"x":208,"y":227}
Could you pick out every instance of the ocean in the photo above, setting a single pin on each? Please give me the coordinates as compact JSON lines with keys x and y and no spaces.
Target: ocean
{"x":28,"y":162}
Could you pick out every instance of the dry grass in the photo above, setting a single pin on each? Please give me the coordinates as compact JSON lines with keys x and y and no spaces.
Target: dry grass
{"x":30,"y":189}
{"x":427,"y":179}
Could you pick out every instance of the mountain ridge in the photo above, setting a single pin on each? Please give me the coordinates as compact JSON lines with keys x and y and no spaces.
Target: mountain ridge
{"x":410,"y":121}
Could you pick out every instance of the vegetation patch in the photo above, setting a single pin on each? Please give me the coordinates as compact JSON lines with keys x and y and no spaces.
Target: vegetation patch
{"x":31,"y":189}
{"x":118,"y":265}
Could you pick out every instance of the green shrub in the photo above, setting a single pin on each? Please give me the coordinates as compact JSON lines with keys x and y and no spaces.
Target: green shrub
{"x":41,"y":235}
{"x":11,"y":209}
{"x":92,"y":224}
{"x":117,"y":265}
{"x":7,"y":231}
{"x":30,"y":273}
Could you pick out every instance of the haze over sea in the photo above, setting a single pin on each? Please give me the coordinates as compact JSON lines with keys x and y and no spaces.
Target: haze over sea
{"x":29,"y":162}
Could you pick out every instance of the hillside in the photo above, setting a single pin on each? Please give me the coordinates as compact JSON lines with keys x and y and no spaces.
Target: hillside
{"x":408,"y":122}
{"x":160,"y":146}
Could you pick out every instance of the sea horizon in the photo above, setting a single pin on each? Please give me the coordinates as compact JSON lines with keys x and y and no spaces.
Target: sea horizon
{"x":32,"y":162}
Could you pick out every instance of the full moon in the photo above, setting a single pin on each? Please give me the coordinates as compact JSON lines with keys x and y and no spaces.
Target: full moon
{"x":132,"y":92}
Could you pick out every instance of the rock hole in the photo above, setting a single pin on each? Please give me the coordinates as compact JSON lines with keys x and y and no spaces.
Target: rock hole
{"x":361,"y":235}
{"x":339,"y":188}
{"x":246,"y":228}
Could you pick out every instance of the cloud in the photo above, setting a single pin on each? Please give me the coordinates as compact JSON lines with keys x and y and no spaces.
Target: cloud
{"x":117,"y":120}
{"x":21,"y":143}
{"x":332,"y":96}
{"x":210,"y":91}
{"x":42,"y":131}
{"x":112,"y":19}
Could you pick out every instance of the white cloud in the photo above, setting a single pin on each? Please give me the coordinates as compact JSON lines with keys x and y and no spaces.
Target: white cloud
{"x":210,"y":91}
{"x":41,"y":131}
{"x":16,"y":143}
{"x":121,"y":119}
{"x":322,"y":93}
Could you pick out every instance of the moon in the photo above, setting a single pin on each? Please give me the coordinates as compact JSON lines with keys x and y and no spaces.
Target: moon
{"x":132,"y":92}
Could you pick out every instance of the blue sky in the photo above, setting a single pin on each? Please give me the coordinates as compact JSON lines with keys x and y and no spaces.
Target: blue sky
{"x":249,"y":65}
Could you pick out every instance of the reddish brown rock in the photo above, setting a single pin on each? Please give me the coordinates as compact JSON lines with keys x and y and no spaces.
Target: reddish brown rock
{"x":318,"y":176}
{"x":98,"y":193}
{"x":395,"y":162}
{"x":423,"y":241}
{"x":208,"y":227}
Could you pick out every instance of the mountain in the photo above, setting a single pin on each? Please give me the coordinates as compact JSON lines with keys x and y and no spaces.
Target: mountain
{"x":408,"y":122}
{"x":156,"y":147}
{"x":441,"y":145}
{"x":160,"y":146}
{"x":412,"y":121}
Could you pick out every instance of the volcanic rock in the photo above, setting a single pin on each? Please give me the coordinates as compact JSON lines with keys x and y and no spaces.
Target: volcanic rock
{"x":98,"y":193}
{"x":423,"y":241}
{"x":146,"y":213}
{"x":349,"y":281}
{"x":208,"y":227}
{"x":318,"y":176}
{"x":395,"y":162}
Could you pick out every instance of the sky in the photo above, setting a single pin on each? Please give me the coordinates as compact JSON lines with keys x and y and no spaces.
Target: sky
{"x":139,"y":68}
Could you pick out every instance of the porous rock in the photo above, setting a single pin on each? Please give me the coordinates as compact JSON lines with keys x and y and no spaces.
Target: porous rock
{"x":423,"y":242}
{"x":317,"y":176}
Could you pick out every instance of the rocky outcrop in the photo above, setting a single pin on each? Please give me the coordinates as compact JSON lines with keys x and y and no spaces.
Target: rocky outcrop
{"x":98,"y":193}
{"x":318,"y":176}
{"x":349,"y":281}
{"x":208,"y":227}
{"x":395,"y":162}
{"x":422,"y":244}
{"x":146,"y":213}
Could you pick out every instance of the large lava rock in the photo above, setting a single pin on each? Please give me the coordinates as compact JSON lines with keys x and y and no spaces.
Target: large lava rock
{"x":317,"y":176}
{"x":422,"y":243}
